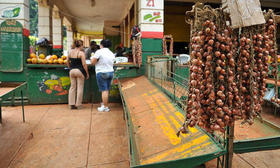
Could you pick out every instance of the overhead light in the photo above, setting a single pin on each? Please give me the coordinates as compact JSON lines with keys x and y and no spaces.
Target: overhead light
{"x":92,"y":3}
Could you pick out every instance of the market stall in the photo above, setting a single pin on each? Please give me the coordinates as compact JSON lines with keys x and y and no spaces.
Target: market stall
{"x":49,"y":83}
{"x":9,"y":91}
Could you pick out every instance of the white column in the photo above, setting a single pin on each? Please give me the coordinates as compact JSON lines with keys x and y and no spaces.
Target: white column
{"x":151,"y":18}
{"x":69,"y":35}
{"x":45,"y":20}
{"x":57,"y":26}
{"x":7,"y":8}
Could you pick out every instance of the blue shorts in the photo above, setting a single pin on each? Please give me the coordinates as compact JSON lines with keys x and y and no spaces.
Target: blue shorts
{"x":104,"y":80}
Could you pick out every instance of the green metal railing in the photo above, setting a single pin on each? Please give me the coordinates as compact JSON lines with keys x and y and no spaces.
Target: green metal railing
{"x":161,"y":72}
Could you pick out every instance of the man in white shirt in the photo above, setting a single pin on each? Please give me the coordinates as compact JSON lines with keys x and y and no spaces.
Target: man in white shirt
{"x":103,"y":60}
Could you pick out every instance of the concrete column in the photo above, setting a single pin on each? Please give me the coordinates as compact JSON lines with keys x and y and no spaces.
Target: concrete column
{"x":128,"y":30}
{"x":69,"y":36}
{"x":151,"y":22}
{"x":45,"y":19}
{"x":151,"y":28}
{"x":57,"y":26}
{"x":22,"y":15}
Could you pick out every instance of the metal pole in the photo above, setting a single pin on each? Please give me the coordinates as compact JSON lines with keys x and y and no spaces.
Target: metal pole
{"x":229,"y":155}
{"x":22,"y":105}
{"x":174,"y":91}
{"x":218,"y":162}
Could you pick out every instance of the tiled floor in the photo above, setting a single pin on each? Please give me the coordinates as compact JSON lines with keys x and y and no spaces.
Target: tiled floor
{"x":56,"y":137}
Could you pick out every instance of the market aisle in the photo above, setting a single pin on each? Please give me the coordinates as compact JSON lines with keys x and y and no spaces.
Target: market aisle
{"x":72,"y":139}
{"x":13,"y":132}
{"x":109,"y":143}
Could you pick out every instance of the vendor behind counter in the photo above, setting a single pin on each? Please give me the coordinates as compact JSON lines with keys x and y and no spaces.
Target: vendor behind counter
{"x":92,"y":49}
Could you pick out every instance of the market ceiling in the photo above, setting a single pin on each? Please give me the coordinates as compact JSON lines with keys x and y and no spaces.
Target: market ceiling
{"x":90,"y":15}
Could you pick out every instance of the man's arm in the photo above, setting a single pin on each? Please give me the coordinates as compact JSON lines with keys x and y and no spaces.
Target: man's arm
{"x":93,"y":61}
{"x":95,"y":58}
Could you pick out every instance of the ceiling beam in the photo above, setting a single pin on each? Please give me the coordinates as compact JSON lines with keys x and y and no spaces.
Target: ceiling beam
{"x":65,"y":12}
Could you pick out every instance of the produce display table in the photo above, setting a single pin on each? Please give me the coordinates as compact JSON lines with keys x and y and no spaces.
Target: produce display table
{"x":153,"y":121}
{"x":49,"y":84}
{"x":8,"y":91}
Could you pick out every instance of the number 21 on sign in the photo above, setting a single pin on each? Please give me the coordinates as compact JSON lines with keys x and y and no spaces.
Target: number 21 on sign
{"x":151,"y":3}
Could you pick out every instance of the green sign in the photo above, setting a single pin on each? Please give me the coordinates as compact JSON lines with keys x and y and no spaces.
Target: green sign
{"x":11,"y":46}
{"x":11,"y":12}
{"x":11,"y":26}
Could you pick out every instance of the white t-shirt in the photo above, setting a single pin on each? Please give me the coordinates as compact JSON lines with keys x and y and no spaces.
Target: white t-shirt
{"x":105,"y":60}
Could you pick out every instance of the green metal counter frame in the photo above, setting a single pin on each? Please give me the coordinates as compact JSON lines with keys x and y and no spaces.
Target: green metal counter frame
{"x":11,"y":94}
{"x":64,"y":65}
{"x":178,"y":163}
{"x":258,"y":144}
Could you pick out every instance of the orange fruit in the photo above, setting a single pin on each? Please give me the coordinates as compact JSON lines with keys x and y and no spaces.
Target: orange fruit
{"x":55,"y":61}
{"x":65,"y":61}
{"x":42,"y":56}
{"x":50,"y":61}
{"x":29,"y":60}
{"x":54,"y":57}
{"x":60,"y":61}
{"x":45,"y":61}
{"x":33,"y":55}
{"x":64,"y":57}
{"x":34,"y":60}
{"x":40,"y":61}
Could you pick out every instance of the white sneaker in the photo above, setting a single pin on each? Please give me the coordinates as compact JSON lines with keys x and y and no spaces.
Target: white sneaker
{"x":103,"y":109}
{"x":101,"y":106}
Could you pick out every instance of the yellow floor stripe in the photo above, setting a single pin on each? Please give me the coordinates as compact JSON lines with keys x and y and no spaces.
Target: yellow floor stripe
{"x":160,"y":104}
{"x":145,"y":94}
{"x":165,"y":126}
{"x":174,"y":121}
{"x":170,"y":106}
{"x":189,"y":152}
{"x":178,"y":149}
{"x":180,"y":116}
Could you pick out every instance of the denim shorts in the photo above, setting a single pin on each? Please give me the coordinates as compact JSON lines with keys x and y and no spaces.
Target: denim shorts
{"x":104,"y":80}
